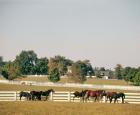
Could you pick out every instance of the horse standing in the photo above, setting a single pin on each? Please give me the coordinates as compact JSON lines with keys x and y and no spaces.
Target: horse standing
{"x":116,"y":96}
{"x":108,"y":95}
{"x":96,"y":94}
{"x":25,"y":94}
{"x":46,"y":93}
{"x":79,"y":95}
{"x":36,"y":95}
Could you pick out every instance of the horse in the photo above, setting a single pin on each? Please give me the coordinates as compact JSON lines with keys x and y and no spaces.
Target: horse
{"x":79,"y":94}
{"x":108,"y":95}
{"x":36,"y":95}
{"x":25,"y":94}
{"x":116,"y":96}
{"x":96,"y":94}
{"x":46,"y":93}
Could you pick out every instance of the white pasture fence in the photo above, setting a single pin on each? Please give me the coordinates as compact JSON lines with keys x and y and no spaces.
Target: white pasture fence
{"x":63,"y":96}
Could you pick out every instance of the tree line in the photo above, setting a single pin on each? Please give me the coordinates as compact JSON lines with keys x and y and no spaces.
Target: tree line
{"x":28,"y":63}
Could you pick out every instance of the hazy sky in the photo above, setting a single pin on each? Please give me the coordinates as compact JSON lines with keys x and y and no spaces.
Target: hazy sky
{"x":106,"y":32}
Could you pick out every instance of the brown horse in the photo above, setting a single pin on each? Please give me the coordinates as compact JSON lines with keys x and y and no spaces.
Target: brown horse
{"x":108,"y":95}
{"x":116,"y":96}
{"x":79,"y":95}
{"x":96,"y":94}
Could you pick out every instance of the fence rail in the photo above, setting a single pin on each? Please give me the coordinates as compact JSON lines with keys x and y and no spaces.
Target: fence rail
{"x":63,"y":96}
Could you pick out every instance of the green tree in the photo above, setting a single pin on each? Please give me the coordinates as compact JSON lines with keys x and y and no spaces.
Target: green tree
{"x":118,"y":71}
{"x":26,"y":60}
{"x":54,"y":75}
{"x":41,"y":66}
{"x":126,"y":74}
{"x":137,"y":79}
{"x":11,"y":70}
{"x":89,"y":68}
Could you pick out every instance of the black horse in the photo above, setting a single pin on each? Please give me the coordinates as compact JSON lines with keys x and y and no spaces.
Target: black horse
{"x":116,"y":96}
{"x":79,"y":95}
{"x":36,"y":95}
{"x":25,"y":94}
{"x":46,"y":93}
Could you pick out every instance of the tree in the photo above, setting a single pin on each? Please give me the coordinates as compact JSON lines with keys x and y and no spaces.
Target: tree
{"x":41,"y":66}
{"x":26,"y":60}
{"x":2,"y":63}
{"x":54,"y":75}
{"x":79,"y":71}
{"x":61,"y":63}
{"x":118,"y":71}
{"x":98,"y":74}
{"x":137,"y":79}
{"x":126,"y":74}
{"x":102,"y":69}
{"x":11,"y":70}
{"x":89,"y":68}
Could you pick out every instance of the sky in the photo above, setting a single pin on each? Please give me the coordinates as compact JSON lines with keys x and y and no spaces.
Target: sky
{"x":107,"y":32}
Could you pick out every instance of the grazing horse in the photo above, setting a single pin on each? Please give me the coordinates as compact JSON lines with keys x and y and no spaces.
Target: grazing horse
{"x":46,"y":93}
{"x":116,"y":96}
{"x":25,"y":94}
{"x":36,"y":95}
{"x":97,"y":94}
{"x":79,"y":94}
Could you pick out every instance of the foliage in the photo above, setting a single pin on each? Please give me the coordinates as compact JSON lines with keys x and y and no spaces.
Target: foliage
{"x":98,"y":74}
{"x":11,"y":70}
{"x":118,"y":71}
{"x":79,"y":71}
{"x":41,"y":66}
{"x":137,"y":79}
{"x":59,"y":62}
{"x":54,"y":75}
{"x":26,"y":60}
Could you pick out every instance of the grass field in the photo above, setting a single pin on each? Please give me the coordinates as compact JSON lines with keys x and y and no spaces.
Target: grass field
{"x":61,"y":108}
{"x":89,"y":81}
{"x":8,"y":87}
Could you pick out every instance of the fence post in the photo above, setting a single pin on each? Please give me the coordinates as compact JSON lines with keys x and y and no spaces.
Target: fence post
{"x":15,"y":95}
{"x":51,"y":96}
{"x":69,"y":96}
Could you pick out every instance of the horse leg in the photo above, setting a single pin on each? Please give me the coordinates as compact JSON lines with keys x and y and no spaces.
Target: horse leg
{"x":115,"y":100}
{"x":73,"y":98}
{"x":20,"y":97}
{"x":95,"y":99}
{"x":122,"y":99}
{"x":110,"y":100}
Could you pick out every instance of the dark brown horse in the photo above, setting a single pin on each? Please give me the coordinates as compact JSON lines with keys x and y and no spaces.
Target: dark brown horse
{"x":116,"y":96}
{"x":25,"y":94}
{"x":94,"y":94}
{"x":79,"y":95}
{"x":109,"y":95}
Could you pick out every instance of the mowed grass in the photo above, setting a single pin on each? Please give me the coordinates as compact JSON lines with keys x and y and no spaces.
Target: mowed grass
{"x":89,"y":81}
{"x":12,"y":87}
{"x":66,"y":108}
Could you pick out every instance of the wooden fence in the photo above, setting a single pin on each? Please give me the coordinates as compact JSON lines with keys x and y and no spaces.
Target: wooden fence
{"x":62,"y":96}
